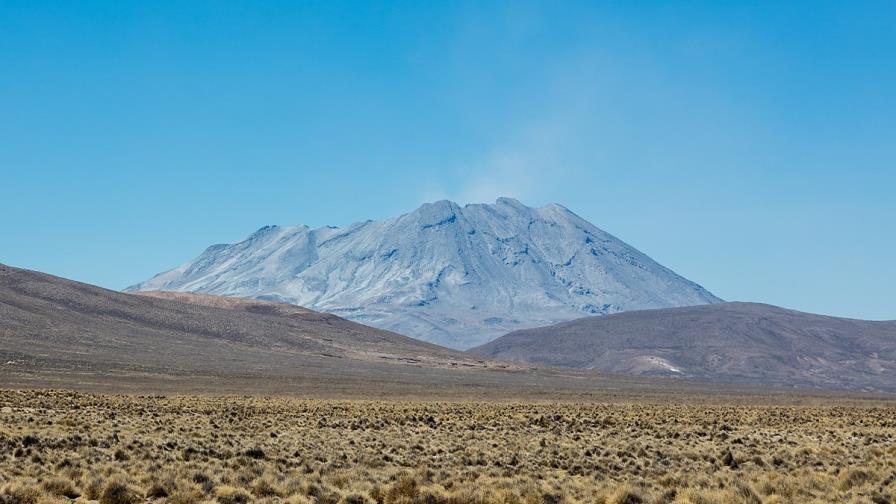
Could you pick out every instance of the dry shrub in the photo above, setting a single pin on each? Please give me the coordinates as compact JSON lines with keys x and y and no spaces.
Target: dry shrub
{"x":117,"y":492}
{"x":743,"y":493}
{"x":231,"y":495}
{"x":19,"y":493}
{"x":433,"y":494}
{"x":92,"y":487}
{"x":626,"y":494}
{"x":297,"y":499}
{"x":265,"y":486}
{"x":356,"y":498}
{"x":157,"y":491}
{"x":851,"y":478}
{"x":404,"y":490}
{"x":60,"y":487}
{"x":255,"y":453}
{"x":186,"y":494}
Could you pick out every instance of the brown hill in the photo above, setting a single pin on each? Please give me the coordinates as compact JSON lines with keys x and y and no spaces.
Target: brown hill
{"x":730,"y":342}
{"x":69,"y":321}
{"x":68,"y":333}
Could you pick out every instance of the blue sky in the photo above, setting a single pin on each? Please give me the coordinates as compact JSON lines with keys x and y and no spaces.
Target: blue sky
{"x":751,"y":148}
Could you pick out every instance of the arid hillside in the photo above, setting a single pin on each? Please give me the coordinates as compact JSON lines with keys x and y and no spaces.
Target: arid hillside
{"x":49,"y":317}
{"x":726,"y":342}
{"x":78,"y":332}
{"x":56,"y":333}
{"x":59,"y":333}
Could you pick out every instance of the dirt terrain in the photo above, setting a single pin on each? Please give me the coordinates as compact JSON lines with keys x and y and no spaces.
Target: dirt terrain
{"x":56,"y":333}
{"x":747,"y":343}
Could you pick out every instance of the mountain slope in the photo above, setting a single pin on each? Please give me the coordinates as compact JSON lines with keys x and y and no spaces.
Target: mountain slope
{"x":56,"y":321}
{"x":452,"y":275}
{"x":732,"y":342}
{"x":56,"y":333}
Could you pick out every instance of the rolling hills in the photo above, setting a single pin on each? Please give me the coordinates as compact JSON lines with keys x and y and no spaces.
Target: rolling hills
{"x":58,"y":333}
{"x":727,"y":342}
{"x":79,"y":331}
{"x":74,"y":321}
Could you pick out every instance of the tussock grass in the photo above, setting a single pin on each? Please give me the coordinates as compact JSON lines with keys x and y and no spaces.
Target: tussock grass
{"x":70,"y":447}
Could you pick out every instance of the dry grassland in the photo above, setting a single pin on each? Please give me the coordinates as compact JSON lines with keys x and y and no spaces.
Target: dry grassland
{"x":65,"y":446}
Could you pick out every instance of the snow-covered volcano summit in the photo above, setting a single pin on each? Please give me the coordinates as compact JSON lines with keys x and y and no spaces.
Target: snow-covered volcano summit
{"x":452,"y":275}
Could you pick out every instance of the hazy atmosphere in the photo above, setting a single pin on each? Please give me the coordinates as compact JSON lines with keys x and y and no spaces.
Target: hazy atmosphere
{"x":749,"y":148}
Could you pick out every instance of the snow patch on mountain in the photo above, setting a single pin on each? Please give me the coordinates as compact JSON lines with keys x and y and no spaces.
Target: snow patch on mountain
{"x":455,"y":276}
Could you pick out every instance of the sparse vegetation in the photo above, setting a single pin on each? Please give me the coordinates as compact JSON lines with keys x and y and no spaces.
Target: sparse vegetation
{"x":64,"y":446}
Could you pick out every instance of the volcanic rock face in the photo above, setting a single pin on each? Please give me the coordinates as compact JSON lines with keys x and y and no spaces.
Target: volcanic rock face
{"x":452,"y":275}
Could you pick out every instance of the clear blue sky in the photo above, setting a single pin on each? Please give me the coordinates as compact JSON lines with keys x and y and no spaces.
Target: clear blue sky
{"x":751,"y":148}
